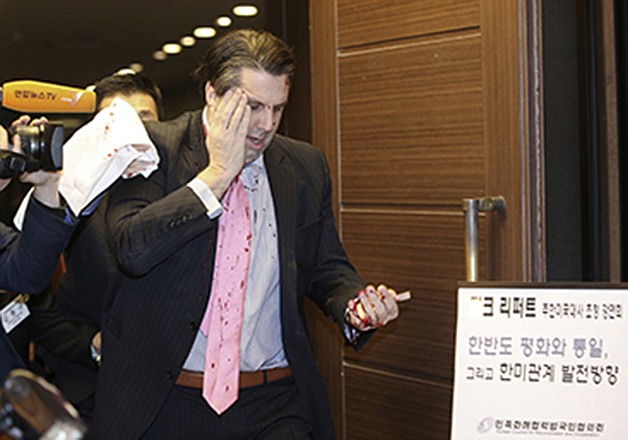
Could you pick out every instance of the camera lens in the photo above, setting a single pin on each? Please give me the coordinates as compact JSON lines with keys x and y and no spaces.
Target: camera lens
{"x":43,"y":144}
{"x":41,"y":147}
{"x":30,"y":139}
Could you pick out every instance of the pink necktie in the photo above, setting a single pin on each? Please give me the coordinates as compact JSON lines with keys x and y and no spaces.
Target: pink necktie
{"x":223,"y":318}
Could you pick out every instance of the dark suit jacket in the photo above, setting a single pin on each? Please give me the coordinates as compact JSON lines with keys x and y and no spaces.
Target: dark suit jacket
{"x":46,"y":326}
{"x":28,"y":260}
{"x":91,"y":270}
{"x":165,"y":243}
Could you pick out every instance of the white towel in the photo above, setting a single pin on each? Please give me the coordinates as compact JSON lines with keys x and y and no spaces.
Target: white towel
{"x":114,"y":144}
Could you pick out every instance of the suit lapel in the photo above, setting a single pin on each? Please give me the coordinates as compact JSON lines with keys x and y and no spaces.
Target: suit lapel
{"x":193,"y":159}
{"x":195,"y":150}
{"x":283,"y":185}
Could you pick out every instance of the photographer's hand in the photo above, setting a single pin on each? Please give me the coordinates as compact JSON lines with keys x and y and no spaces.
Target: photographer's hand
{"x":46,"y":183}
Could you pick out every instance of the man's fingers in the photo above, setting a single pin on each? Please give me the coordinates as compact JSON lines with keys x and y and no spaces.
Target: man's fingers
{"x":367,"y":306}
{"x":230,"y":108}
{"x":22,"y":120}
{"x":220,"y":110}
{"x":374,"y":308}
{"x":239,"y":119}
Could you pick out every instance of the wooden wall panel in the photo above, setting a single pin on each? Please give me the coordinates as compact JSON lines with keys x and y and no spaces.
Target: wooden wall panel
{"x":387,"y":407}
{"x":369,"y":21}
{"x":423,"y":252}
{"x":412,"y":134}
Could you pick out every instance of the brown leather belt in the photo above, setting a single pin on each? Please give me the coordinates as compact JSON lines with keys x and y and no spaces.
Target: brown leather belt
{"x":195,"y":380}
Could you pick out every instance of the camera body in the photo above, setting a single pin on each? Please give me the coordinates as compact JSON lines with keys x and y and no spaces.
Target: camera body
{"x":41,"y":150}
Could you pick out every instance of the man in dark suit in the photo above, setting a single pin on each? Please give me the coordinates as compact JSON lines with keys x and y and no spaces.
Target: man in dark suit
{"x":91,"y":269}
{"x":28,"y":259}
{"x":165,"y":230}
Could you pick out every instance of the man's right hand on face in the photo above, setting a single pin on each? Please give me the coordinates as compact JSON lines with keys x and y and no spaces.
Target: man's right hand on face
{"x":228,"y":120}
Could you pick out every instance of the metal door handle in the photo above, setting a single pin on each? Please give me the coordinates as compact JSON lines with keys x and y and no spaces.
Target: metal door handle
{"x":471,"y":208}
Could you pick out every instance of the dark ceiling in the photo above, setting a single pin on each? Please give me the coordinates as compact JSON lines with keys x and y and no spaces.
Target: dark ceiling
{"x":76,"y":42}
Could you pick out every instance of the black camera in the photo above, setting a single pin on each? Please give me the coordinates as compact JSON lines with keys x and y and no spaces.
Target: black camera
{"x":41,"y":150}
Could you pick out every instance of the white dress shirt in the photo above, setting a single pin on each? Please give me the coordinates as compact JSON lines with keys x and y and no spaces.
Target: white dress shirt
{"x":261,"y":344}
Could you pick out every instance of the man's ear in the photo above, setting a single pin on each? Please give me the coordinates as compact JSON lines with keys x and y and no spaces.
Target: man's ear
{"x":210,"y":93}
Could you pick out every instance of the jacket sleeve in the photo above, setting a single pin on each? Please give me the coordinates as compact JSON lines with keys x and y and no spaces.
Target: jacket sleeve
{"x":333,"y":280}
{"x":150,"y":219}
{"x":28,"y":258}
{"x":147,"y":226}
{"x":70,"y":340}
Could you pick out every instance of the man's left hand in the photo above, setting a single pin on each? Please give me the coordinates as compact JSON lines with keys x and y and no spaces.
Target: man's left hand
{"x":372,"y":308}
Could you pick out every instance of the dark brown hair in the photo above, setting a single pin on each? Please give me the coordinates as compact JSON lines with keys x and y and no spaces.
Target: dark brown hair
{"x":228,"y":55}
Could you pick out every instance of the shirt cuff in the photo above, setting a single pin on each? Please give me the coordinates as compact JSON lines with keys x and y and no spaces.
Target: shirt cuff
{"x":62,"y":212}
{"x":95,"y":354}
{"x":350,"y":332}
{"x":202,"y":191}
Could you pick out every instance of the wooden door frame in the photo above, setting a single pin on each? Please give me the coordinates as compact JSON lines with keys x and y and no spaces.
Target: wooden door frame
{"x":608,"y":129}
{"x":513,"y":102}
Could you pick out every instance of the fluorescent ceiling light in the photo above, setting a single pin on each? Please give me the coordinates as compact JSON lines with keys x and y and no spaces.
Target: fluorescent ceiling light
{"x":159,"y":55}
{"x":171,"y":48}
{"x":224,"y":21}
{"x":137,"y":67}
{"x":204,"y":32}
{"x":245,"y":10}
{"x":187,"y":41}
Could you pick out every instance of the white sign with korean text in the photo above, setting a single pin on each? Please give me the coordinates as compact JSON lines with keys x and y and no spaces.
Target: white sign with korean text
{"x":542,"y":363}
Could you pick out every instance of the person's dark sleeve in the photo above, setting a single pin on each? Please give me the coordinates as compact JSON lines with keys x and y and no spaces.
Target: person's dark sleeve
{"x":333,"y":279}
{"x":65,"y":338}
{"x":28,"y":258}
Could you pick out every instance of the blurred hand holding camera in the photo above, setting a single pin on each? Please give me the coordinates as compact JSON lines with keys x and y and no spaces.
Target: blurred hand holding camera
{"x":34,"y":156}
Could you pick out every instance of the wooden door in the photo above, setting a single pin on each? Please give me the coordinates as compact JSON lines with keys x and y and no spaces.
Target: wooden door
{"x":419,"y":104}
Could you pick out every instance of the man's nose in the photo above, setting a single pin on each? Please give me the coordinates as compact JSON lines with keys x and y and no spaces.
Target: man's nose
{"x":266,"y":119}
